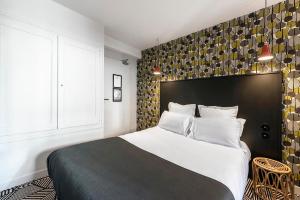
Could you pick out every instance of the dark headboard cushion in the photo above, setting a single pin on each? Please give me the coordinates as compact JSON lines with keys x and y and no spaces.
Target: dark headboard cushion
{"x":259,"y":98}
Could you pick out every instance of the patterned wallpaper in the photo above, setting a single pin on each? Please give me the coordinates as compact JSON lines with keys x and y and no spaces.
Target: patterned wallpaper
{"x":232,"y":48}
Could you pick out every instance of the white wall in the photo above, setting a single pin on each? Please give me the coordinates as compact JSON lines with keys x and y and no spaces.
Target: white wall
{"x":22,"y":159}
{"x":119,"y":117}
{"x":52,"y":16}
{"x":119,"y":46}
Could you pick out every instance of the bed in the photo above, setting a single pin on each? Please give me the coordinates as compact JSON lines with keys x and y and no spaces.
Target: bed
{"x":158,"y":164}
{"x":150,"y":164}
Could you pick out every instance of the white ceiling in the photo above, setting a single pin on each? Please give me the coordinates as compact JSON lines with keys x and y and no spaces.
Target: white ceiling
{"x":140,"y":22}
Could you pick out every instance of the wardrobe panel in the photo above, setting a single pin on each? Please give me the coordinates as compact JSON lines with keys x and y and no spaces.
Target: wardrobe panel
{"x":28,"y":79}
{"x":79,"y":84}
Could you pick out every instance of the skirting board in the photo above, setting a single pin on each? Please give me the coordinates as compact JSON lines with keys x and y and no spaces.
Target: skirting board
{"x":23,"y":179}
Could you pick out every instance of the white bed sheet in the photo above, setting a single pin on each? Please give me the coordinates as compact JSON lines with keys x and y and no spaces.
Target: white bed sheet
{"x":224,"y":164}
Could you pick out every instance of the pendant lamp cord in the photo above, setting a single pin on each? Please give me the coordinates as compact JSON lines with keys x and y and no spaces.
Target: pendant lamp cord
{"x":266,"y":4}
{"x":158,"y":49}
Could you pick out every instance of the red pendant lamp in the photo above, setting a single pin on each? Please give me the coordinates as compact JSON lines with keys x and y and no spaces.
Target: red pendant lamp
{"x":265,"y":52}
{"x":156,"y":69}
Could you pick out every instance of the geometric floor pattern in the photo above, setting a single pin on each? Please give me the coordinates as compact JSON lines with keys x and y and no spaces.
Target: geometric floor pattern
{"x":42,"y":189}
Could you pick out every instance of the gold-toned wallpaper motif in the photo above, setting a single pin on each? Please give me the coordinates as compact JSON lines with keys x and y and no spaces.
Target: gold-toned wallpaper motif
{"x":232,"y":48}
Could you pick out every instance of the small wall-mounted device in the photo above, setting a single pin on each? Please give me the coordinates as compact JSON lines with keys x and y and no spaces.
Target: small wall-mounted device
{"x":265,"y":127}
{"x":265,"y":131}
{"x":265,"y":135}
{"x":125,"y":62}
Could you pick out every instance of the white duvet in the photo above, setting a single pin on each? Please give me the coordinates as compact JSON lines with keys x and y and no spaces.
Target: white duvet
{"x":224,"y":164}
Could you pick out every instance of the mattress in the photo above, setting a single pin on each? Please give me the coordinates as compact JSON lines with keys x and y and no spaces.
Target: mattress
{"x":227,"y":165}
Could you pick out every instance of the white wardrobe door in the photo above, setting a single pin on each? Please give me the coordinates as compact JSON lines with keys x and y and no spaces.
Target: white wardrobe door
{"x":28,"y":79}
{"x":79,"y":84}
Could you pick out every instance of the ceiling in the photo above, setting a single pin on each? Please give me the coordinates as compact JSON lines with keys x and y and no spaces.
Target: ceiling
{"x":140,"y":22}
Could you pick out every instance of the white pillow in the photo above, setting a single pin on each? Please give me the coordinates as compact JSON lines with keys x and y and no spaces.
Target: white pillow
{"x":188,"y":109}
{"x":223,"y":131}
{"x":217,"y":111}
{"x":175,"y":122}
{"x":242,"y":122}
{"x":219,"y":107}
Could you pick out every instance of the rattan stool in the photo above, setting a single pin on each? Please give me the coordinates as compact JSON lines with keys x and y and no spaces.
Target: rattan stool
{"x":272,"y":179}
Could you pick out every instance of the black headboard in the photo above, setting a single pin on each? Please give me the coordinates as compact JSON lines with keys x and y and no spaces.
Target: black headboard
{"x":258,"y":96}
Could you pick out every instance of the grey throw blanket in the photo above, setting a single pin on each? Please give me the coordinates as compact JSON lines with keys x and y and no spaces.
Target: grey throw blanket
{"x":113,"y":169}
